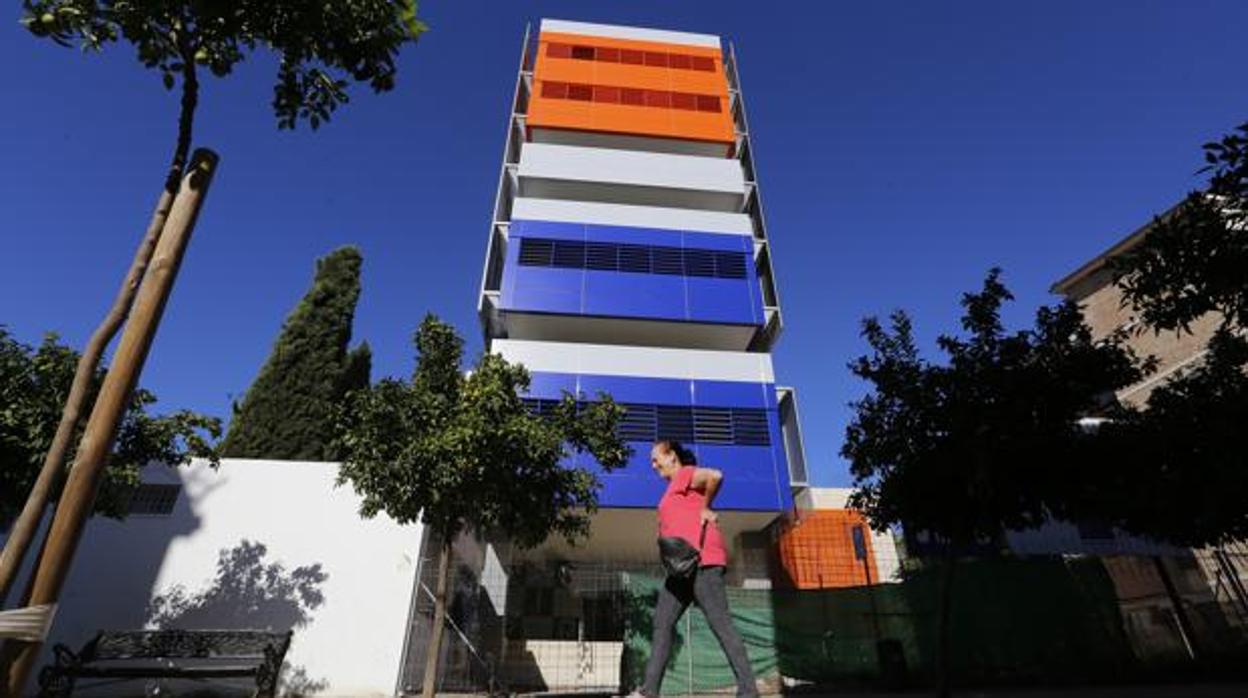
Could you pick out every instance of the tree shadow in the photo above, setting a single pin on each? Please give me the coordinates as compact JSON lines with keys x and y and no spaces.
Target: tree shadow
{"x":248,"y":593}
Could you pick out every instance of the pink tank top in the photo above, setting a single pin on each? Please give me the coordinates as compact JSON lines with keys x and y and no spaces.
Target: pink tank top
{"x":680,"y":512}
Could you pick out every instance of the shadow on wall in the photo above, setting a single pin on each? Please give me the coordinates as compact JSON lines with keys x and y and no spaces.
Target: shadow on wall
{"x":115,"y":568}
{"x":249,"y":593}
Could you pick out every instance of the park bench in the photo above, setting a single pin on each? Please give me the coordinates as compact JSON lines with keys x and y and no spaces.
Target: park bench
{"x":170,"y":654}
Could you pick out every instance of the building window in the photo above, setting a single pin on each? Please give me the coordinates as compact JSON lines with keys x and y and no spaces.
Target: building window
{"x":631,"y":57}
{"x":554,"y":90}
{"x":153,"y":500}
{"x":725,"y":426}
{"x":702,"y":63}
{"x":604,"y":94}
{"x":633,"y":259}
{"x":708,"y":103}
{"x":654,"y":59}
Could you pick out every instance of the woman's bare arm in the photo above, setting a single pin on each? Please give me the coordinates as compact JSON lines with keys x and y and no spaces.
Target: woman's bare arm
{"x":707,"y":480}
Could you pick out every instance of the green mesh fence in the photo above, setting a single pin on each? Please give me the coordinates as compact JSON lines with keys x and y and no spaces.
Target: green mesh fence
{"x":1013,"y":619}
{"x":698,"y":665}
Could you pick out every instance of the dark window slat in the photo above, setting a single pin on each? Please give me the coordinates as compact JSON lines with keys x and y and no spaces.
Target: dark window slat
{"x":632,"y":258}
{"x":569,"y":254}
{"x":667,"y":260}
{"x":602,"y":256}
{"x":699,"y":263}
{"x":535,"y":252}
{"x":730,"y":265}
{"x":728,"y":426}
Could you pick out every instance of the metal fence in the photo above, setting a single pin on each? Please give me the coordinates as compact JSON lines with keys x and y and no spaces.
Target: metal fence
{"x":526,"y":624}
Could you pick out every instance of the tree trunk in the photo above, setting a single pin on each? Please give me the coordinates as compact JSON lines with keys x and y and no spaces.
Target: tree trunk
{"x":27,"y":525}
{"x":1186,"y":629}
{"x":78,"y":499}
{"x":430,"y":683}
{"x":944,"y":629}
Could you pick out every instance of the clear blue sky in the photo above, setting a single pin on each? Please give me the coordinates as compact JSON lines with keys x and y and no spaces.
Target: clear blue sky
{"x":904,"y":148}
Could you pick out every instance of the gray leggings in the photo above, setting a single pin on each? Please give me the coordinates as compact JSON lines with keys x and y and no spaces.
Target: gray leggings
{"x":707,"y":589}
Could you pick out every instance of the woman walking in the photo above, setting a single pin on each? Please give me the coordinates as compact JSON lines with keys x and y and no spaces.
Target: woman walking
{"x":685,"y":513}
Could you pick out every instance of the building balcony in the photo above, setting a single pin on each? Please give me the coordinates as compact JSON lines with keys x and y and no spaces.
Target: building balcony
{"x":550,"y":171}
{"x":618,"y":284}
{"x":722,"y":405}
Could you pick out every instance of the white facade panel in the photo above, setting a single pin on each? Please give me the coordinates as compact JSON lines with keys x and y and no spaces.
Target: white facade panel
{"x":631,"y":177}
{"x":631,"y":215}
{"x":651,"y":362}
{"x":679,"y":146}
{"x":612,"y":166}
{"x":612,"y":31}
{"x":343,"y":584}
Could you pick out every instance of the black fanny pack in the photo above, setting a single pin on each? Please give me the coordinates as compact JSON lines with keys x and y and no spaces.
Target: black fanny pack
{"x":680,"y":559}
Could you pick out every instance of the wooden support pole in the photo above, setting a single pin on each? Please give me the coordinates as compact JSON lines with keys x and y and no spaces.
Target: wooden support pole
{"x":78,"y":498}
{"x":23,"y":532}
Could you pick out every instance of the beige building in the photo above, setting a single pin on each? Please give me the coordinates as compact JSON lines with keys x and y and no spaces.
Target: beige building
{"x":1211,"y":582}
{"x":1092,"y":286}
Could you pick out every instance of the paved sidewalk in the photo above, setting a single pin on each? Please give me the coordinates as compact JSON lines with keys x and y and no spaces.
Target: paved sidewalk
{"x":1209,"y":690}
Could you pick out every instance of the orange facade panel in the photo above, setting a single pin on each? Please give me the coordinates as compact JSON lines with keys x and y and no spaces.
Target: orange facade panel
{"x":816,"y":551}
{"x":633,"y":88}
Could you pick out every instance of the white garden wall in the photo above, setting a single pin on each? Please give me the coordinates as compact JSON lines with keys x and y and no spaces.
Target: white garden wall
{"x":256,"y":544}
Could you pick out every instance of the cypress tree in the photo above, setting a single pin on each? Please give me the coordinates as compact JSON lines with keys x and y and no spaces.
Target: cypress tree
{"x":287,"y":413}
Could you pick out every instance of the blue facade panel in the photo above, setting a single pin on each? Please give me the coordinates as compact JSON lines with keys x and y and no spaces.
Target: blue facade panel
{"x":756,"y":475}
{"x":612,"y":294}
{"x":733,"y":394}
{"x":626,"y":294}
{"x":724,"y":301}
{"x":546,"y":290}
{"x":662,"y":391}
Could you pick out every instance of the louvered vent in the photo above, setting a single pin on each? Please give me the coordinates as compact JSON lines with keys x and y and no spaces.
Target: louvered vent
{"x":731,"y":426}
{"x":635,"y":259}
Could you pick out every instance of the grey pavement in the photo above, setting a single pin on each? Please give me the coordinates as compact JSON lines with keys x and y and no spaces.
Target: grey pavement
{"x":1203,"y":690}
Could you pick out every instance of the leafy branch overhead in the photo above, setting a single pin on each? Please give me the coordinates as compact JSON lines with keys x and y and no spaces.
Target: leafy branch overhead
{"x":1187,"y":480}
{"x":989,"y":440}
{"x":1193,"y":261}
{"x":33,"y":384}
{"x":321,"y":45}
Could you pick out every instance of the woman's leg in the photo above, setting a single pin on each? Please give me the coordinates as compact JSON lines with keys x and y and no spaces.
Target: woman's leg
{"x":674,"y":598}
{"x":708,"y":589}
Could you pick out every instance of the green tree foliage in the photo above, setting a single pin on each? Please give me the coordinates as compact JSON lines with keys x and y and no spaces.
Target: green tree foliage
{"x":288,"y":412}
{"x":989,"y":441}
{"x":319,"y":44}
{"x":462,"y":452}
{"x":1193,"y":261}
{"x":457,"y":451}
{"x":33,"y":385}
{"x":1185,"y":471}
{"x":1181,"y":470}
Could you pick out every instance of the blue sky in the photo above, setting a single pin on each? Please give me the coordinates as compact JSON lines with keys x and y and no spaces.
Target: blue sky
{"x":903,"y":148}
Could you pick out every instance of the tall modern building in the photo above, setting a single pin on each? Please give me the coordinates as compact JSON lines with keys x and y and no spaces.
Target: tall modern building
{"x":628,"y":254}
